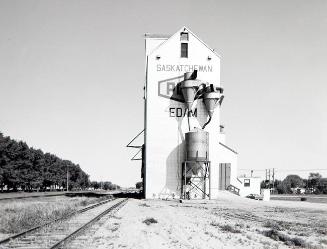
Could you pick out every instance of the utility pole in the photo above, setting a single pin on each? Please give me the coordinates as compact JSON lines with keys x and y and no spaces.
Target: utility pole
{"x":67,"y":179}
{"x":266,"y":177}
{"x":273,"y":178}
{"x":270,"y":178}
{"x":266,"y":174}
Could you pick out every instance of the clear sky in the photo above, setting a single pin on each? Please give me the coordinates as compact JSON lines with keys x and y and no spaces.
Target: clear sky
{"x":72,"y":75}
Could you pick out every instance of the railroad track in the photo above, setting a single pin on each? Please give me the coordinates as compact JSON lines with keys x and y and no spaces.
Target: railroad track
{"x":53,"y":221}
{"x":56,"y":233}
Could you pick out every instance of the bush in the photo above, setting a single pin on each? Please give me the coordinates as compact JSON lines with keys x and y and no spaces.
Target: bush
{"x":139,"y":185}
{"x":229,"y":228}
{"x":149,"y":221}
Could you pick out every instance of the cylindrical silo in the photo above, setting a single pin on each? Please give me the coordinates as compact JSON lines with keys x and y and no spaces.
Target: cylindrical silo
{"x":197,"y":145}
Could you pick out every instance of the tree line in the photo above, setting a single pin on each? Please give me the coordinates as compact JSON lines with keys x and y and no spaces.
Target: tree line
{"x":104,"y":185}
{"x":314,"y":184}
{"x":28,"y":169}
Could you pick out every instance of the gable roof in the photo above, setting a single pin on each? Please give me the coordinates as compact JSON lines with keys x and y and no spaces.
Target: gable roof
{"x":183,"y":29}
{"x":157,"y":36}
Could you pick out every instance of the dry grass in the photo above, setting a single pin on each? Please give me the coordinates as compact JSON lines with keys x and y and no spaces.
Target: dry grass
{"x":290,"y":241}
{"x":144,"y":205}
{"x":214,"y":224}
{"x":323,"y":241}
{"x":228,"y":227}
{"x":273,"y":225}
{"x":20,"y":215}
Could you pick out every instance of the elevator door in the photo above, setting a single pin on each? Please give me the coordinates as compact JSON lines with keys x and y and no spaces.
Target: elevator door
{"x":224,"y":175}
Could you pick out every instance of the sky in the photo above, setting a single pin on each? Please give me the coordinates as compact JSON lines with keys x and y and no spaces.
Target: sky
{"x":72,"y":76}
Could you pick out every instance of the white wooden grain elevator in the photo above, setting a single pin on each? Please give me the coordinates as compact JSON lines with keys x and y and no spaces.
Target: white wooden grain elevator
{"x":184,"y":153}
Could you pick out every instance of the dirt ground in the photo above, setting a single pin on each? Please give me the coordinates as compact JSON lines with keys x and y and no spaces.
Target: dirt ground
{"x":230,"y":222}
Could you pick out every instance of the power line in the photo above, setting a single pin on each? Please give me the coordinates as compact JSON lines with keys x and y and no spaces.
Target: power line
{"x":287,"y":170}
{"x":254,"y":169}
{"x":302,"y":170}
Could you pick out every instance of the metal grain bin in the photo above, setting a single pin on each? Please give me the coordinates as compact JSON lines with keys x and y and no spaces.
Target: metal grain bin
{"x":197,"y":145}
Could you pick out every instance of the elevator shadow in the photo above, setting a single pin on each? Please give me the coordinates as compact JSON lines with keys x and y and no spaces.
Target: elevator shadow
{"x":174,"y":161}
{"x":198,"y":116}
{"x":202,"y":115}
{"x":177,"y":109}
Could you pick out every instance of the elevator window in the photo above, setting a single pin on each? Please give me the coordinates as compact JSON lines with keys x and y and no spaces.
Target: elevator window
{"x":246,"y":182}
{"x":184,"y":36}
{"x":184,"y":50}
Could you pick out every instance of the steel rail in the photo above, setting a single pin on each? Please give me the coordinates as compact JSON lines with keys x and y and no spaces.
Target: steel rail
{"x":53,"y":221}
{"x":71,"y":235}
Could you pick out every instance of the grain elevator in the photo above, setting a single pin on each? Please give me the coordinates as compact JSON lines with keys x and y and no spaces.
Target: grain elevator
{"x":184,"y":154}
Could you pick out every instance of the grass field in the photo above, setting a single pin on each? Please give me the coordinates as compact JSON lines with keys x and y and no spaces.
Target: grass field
{"x":22,"y":214}
{"x":309,"y":198}
{"x":11,"y":195}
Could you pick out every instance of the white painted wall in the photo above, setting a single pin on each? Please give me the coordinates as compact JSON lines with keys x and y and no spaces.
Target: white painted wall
{"x":266,"y":194}
{"x":226,"y":156}
{"x":164,"y":130}
{"x":254,"y":187}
